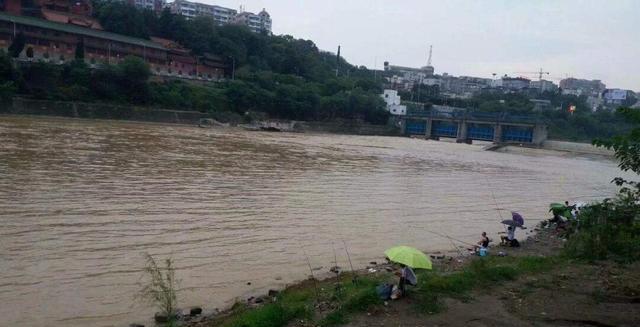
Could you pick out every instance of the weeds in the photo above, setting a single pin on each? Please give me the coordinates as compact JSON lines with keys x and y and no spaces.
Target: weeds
{"x":428,"y":295}
{"x":160,"y":289}
{"x":608,"y":230}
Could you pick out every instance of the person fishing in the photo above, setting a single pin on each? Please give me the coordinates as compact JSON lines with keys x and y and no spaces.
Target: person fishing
{"x":510,"y":239}
{"x":483,"y":243}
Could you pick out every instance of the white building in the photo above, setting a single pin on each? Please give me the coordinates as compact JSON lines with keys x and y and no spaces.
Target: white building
{"x":220,"y":15}
{"x":616,"y":96}
{"x":544,"y":85}
{"x":393,"y":100}
{"x":578,"y":87}
{"x":515,"y":83}
{"x":155,"y":5}
{"x":257,"y":23}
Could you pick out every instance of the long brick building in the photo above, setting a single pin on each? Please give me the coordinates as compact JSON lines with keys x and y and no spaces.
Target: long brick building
{"x":65,"y":25}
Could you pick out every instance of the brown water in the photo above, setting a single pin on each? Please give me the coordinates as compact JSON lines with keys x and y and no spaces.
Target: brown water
{"x":80,"y":201}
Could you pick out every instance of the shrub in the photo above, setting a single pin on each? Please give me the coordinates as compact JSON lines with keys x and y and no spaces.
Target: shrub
{"x":608,"y":230}
{"x":160,"y":289}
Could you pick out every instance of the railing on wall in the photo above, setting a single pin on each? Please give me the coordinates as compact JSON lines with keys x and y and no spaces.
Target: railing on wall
{"x":464,"y":114}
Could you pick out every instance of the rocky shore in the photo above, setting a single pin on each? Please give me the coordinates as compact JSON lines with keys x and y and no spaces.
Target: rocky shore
{"x":563,"y":293}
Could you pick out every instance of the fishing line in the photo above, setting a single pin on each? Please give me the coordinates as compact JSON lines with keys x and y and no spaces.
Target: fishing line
{"x":315,"y":282}
{"x":495,"y":201}
{"x":355,"y":275}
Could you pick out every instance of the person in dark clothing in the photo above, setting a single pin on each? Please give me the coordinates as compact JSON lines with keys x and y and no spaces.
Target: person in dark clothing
{"x":483,"y":243}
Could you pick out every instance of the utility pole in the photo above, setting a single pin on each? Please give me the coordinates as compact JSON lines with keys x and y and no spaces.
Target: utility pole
{"x":233,"y":69}
{"x":375,"y":68}
{"x":337,"y":61}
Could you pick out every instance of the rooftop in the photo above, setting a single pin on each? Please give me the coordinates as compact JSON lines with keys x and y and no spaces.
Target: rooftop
{"x":69,"y":28}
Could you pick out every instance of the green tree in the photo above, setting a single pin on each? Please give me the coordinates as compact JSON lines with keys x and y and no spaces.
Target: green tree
{"x":17,"y":45}
{"x":123,"y":18}
{"x":627,"y":151}
{"x":79,"y":54}
{"x":134,"y":74}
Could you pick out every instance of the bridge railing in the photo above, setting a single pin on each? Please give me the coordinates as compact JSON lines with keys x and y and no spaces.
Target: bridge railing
{"x":463,"y":114}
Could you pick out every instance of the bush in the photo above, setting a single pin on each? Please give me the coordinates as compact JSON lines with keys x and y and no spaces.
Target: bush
{"x":608,"y":230}
{"x":160,"y":289}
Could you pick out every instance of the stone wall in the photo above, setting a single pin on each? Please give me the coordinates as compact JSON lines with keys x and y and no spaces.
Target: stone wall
{"x":586,"y":148}
{"x":23,"y":106}
{"x":348,"y":127}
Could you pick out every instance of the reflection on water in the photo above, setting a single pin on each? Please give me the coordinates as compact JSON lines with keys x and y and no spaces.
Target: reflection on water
{"x":80,"y":201}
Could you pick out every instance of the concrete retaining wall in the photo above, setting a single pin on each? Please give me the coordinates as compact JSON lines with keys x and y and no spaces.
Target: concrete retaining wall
{"x":22,"y":106}
{"x":348,"y":127}
{"x":575,"y":147}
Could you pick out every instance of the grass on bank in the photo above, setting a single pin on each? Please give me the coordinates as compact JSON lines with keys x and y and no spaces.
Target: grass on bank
{"x":336,"y":301}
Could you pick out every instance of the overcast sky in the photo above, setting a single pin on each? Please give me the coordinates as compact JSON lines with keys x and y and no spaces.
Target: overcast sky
{"x":583,"y":39}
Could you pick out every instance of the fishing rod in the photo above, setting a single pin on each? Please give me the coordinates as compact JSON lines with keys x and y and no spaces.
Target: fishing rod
{"x":335,"y":265}
{"x":355,"y":275}
{"x":315,"y":282}
{"x":447,"y":236}
{"x":495,"y":201}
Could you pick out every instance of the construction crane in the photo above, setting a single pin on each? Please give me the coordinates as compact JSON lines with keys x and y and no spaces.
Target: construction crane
{"x":539,"y":73}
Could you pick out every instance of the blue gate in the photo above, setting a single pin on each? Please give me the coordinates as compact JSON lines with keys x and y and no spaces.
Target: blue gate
{"x":480,"y":132}
{"x":416,"y":127}
{"x":517,"y":134}
{"x":444,"y":129}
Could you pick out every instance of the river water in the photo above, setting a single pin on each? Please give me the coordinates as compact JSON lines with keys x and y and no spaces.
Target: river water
{"x":82,"y":200}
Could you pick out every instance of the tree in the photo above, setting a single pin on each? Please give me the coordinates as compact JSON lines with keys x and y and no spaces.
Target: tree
{"x":123,"y":18}
{"x":627,"y":151}
{"x":80,"y":49}
{"x":17,"y":45}
{"x":133,"y":76}
{"x":7,"y":70}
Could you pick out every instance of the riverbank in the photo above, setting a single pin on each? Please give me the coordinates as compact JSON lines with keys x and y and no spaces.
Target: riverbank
{"x":533,"y":285}
{"x":247,"y":204}
{"x":558,"y":148}
{"x":85,"y":110}
{"x":23,"y":106}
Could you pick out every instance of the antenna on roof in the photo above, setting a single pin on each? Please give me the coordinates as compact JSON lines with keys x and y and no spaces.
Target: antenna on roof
{"x":430,"y":53}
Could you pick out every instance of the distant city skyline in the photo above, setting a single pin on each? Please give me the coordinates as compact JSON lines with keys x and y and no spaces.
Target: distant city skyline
{"x":581,"y":39}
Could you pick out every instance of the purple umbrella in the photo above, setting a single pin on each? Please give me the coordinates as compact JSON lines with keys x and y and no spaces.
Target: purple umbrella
{"x":517,"y":218}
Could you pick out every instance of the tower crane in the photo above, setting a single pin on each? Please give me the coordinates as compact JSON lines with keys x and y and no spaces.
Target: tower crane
{"x":539,"y":73}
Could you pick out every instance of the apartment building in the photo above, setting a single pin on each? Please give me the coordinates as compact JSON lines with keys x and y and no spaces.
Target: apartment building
{"x":189,"y":9}
{"x":154,"y":5}
{"x":258,"y":23}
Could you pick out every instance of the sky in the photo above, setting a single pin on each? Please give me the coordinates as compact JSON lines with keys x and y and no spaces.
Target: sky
{"x":567,"y":38}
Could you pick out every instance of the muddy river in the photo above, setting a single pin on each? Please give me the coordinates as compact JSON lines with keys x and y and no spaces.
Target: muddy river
{"x":81,"y":201}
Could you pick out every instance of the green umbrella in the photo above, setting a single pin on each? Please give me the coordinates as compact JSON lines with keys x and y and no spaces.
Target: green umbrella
{"x":560,"y":209}
{"x":557,"y":206}
{"x":408,"y":256}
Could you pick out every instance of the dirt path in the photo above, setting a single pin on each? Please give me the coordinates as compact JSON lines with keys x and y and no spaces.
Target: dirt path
{"x":572,"y":294}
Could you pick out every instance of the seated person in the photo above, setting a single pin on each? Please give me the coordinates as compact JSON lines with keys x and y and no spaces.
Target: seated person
{"x":560,"y":223}
{"x":407,"y":276}
{"x":510,"y":239}
{"x":483,"y":243}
